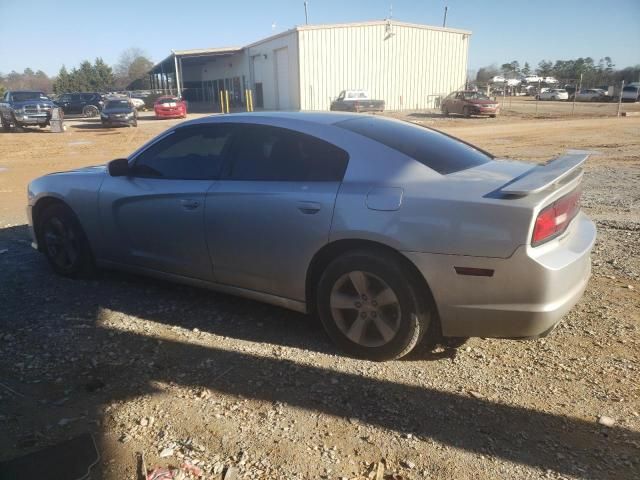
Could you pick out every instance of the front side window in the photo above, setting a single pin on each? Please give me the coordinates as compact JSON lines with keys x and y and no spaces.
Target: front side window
{"x":264,"y":153}
{"x":190,"y":153}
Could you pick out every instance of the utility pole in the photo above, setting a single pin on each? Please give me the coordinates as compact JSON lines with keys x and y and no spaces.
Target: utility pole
{"x":306,"y":16}
{"x":444,"y":20}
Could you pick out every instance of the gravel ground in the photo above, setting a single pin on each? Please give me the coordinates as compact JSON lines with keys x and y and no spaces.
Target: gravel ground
{"x":234,"y":386}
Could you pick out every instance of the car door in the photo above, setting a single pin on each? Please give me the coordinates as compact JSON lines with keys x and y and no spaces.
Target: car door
{"x":458,"y":103}
{"x":75,"y":105}
{"x":272,"y":209}
{"x":154,"y":217}
{"x":339,"y":102}
{"x":65,"y":102}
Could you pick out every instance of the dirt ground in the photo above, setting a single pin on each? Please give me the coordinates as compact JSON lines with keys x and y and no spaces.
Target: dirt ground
{"x":186,"y":374}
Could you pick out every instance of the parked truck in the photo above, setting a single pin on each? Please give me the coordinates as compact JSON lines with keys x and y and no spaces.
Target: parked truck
{"x":21,"y":108}
{"x":356,"y":101}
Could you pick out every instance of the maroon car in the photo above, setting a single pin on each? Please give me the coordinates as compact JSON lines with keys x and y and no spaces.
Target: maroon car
{"x":469,"y":103}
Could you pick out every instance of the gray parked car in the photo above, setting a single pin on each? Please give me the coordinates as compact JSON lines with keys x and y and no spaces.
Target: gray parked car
{"x":385,"y":229}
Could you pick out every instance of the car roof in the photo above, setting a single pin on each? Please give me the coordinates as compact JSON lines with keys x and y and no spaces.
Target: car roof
{"x":326,"y":118}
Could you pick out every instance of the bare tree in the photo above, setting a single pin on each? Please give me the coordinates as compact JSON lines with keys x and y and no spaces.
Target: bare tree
{"x":132,"y":67}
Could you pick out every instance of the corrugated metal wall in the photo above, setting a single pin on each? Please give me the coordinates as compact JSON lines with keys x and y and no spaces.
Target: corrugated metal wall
{"x":263,"y":68}
{"x":408,"y":67}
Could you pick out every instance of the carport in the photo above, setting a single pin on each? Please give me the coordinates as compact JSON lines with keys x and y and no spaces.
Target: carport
{"x":190,"y":73}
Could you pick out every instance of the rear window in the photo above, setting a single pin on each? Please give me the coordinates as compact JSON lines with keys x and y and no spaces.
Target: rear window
{"x":436,"y":150}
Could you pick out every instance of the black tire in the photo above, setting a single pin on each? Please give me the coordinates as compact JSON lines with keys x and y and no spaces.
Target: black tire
{"x":64,"y":242}
{"x":42,"y":125}
{"x":134,"y":123}
{"x":445,"y":111}
{"x":493,"y":115}
{"x":6,"y":126}
{"x":466,"y":112}
{"x":90,"y":111}
{"x":412,"y":320}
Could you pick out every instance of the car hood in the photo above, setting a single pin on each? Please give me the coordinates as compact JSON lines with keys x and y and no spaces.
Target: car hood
{"x":95,"y":170}
{"x":46,"y":103}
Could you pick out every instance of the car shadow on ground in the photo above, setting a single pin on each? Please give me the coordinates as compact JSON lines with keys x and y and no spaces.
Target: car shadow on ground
{"x":72,"y":333}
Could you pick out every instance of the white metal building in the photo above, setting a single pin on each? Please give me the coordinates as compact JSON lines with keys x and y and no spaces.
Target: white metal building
{"x":409,"y":66}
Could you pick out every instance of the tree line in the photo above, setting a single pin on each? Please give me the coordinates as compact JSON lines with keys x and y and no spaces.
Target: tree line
{"x":129,"y":73}
{"x":602,"y":72}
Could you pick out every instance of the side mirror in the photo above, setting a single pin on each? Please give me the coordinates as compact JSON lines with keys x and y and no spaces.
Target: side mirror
{"x":118,"y":167}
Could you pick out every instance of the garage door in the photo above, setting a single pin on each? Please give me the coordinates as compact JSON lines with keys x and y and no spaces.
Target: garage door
{"x":282,"y":78}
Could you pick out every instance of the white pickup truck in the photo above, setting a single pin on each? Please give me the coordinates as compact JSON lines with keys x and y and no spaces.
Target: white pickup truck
{"x":356,"y":101}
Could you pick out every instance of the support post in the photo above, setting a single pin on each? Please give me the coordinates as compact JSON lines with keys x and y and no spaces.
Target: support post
{"x":620,"y":98}
{"x":221,"y":99}
{"x":226,"y":97}
{"x":578,"y":88}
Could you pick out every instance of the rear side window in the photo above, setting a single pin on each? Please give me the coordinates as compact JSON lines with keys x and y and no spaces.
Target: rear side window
{"x":436,"y":150}
{"x":264,"y":153}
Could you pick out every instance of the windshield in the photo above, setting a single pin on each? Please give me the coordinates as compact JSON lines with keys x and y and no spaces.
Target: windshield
{"x":438,"y":151}
{"x":475,"y":96}
{"x":168,"y":100}
{"x":118,"y":104}
{"x":24,"y":96}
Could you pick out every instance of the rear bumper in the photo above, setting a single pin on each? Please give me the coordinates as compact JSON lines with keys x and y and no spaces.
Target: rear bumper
{"x":527,"y":295}
{"x":173,"y":114}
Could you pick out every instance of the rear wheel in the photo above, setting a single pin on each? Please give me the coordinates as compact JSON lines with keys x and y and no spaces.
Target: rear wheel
{"x":493,"y":115}
{"x":369,"y":306}
{"x":64,"y":242}
{"x":466,"y":111}
{"x":445,"y":111}
{"x":90,"y":111}
{"x":6,"y":126}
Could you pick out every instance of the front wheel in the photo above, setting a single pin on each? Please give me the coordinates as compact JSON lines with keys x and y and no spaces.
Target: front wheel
{"x":64,"y":242}
{"x":370,"y":307}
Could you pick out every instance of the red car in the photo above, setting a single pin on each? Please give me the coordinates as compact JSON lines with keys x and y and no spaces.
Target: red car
{"x":170,"y":107}
{"x":469,"y":103}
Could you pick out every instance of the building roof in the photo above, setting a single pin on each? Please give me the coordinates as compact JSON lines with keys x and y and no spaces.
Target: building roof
{"x":393,"y":23}
{"x":224,"y":51}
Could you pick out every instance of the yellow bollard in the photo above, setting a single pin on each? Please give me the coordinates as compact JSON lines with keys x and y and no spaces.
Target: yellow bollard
{"x":246,"y":99}
{"x":251,"y":99}
{"x":221,"y":98}
{"x":226,"y":94}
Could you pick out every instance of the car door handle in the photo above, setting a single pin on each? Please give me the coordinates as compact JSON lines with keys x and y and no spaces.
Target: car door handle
{"x":309,"y":208}
{"x":189,"y":204}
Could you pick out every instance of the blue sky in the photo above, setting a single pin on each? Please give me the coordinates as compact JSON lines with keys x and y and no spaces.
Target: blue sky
{"x":44,"y":34}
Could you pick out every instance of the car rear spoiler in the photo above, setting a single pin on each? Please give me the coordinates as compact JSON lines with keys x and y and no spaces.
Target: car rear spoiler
{"x":543,"y":176}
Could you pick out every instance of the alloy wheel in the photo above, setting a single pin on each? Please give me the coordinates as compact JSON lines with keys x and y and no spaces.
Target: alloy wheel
{"x":365,"y":309}
{"x":61,"y":243}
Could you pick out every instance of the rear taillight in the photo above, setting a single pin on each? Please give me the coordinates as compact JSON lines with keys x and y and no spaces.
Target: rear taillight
{"x":554,"y":219}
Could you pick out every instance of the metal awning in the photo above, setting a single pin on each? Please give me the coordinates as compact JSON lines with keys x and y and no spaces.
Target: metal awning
{"x":190,"y":57}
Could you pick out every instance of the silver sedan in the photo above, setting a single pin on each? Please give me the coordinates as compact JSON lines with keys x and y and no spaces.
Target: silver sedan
{"x":386,"y":230}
